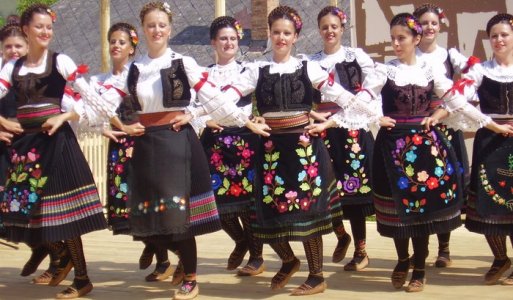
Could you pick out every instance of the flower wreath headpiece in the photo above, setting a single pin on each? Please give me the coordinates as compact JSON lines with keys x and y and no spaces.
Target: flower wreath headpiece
{"x":442,"y":16}
{"x":238,"y":28}
{"x":52,"y":14}
{"x":297,"y":21}
{"x":414,"y":25}
{"x":134,"y":37}
{"x":341,"y":14}
{"x":166,"y":8}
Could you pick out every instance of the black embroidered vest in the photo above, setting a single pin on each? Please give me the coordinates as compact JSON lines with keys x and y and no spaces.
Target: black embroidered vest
{"x":495,"y":97}
{"x":285,"y":92}
{"x":408,"y":100}
{"x":175,"y":87}
{"x":350,"y":76}
{"x":47,"y":87}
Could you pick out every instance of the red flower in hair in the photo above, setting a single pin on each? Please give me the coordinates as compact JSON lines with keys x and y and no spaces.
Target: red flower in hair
{"x":52,"y":14}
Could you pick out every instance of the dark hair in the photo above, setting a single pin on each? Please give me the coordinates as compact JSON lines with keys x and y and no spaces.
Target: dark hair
{"x":499,"y":18}
{"x":288,"y":13}
{"x":12,"y":19}
{"x":335,"y":11}
{"x":225,"y":22}
{"x":428,"y":7}
{"x":11,"y":29}
{"x":129,"y":29}
{"x":158,"y":5}
{"x":409,"y":21}
{"x":36,"y":8}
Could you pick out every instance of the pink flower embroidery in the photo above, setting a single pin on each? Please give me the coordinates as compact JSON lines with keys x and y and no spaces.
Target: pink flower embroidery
{"x":312,"y":171}
{"x":422,"y":176}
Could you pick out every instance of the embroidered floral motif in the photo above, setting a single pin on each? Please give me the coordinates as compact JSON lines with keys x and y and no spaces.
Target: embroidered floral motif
{"x":405,"y":156}
{"x":309,"y":178}
{"x":160,"y":205}
{"x":448,"y":132}
{"x":234,"y":178}
{"x":357,"y":181}
{"x":24,"y":184}
{"x":491,"y":191}
{"x":118,"y":187}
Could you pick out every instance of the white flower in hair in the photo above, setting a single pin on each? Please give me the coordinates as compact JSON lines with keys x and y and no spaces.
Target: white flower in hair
{"x":166,"y":7}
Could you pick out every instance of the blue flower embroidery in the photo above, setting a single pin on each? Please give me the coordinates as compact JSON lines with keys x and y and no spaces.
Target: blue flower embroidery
{"x":265,"y":190}
{"x":114,"y":155}
{"x":439,"y":172}
{"x":301,"y":176}
{"x":33,"y":197}
{"x":411,"y":156}
{"x":123,"y":187}
{"x":355,"y":164}
{"x":216,"y":181}
{"x":450,"y":169}
{"x":251,"y":175}
{"x":402,"y":183}
{"x":279,"y":180}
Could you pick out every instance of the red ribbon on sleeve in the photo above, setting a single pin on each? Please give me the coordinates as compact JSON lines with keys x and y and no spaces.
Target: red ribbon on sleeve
{"x":81,"y":69}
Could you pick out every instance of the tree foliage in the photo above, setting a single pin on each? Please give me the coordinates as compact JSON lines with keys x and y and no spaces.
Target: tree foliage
{"x":23,"y":4}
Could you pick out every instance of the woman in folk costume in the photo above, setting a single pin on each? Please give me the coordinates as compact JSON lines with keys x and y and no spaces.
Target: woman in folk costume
{"x":350,"y":145}
{"x":295,"y":172}
{"x":50,"y":195}
{"x":170,"y":197}
{"x":431,"y":17}
{"x":231,"y":152}
{"x":420,"y":192}
{"x":489,"y":208}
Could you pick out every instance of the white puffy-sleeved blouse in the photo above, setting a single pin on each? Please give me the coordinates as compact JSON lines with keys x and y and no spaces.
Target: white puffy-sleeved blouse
{"x":492,"y":71}
{"x":319,"y":78}
{"x":222,"y":76}
{"x":421,"y":74}
{"x":366,"y":64}
{"x":65,"y":67}
{"x":440,"y":56}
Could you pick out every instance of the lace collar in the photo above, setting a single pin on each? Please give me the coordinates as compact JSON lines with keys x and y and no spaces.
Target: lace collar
{"x":150,"y":66}
{"x":225,"y":74}
{"x":419,"y":74}
{"x":327,"y":61}
{"x":494,"y":71}
{"x":290,"y":66}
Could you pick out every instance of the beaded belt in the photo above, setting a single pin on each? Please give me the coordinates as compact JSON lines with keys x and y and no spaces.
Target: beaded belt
{"x":331,"y":107}
{"x":287,"y":122}
{"x":158,"y":118}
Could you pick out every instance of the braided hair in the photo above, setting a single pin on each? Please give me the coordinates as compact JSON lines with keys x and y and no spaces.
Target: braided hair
{"x":127,"y":28}
{"x":11,"y":29}
{"x":499,"y":18}
{"x":431,"y":8}
{"x":157,"y":5}
{"x":225,"y":22}
{"x":33,"y":9}
{"x":335,"y":11}
{"x":288,"y":13}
